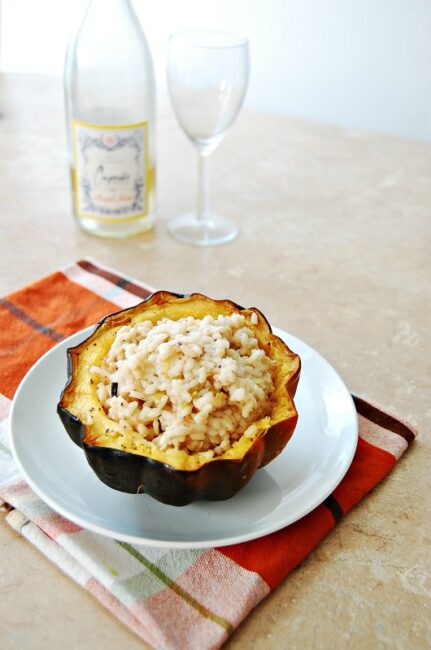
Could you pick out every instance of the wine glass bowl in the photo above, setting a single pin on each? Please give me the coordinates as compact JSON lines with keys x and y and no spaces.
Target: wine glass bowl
{"x":207,"y":77}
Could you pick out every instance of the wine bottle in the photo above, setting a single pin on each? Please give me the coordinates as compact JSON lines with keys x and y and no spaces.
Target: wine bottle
{"x":110,"y":109}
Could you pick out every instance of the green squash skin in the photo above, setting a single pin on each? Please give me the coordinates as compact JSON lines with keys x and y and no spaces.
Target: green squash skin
{"x":136,"y":474}
{"x":217,"y":480}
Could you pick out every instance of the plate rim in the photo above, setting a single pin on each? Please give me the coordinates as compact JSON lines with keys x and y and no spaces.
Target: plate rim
{"x":163,"y":543}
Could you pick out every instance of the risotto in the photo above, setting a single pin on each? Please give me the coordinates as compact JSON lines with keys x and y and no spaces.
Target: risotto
{"x":191,"y":384}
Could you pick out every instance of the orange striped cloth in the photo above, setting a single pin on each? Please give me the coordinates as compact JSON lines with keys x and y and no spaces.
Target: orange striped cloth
{"x":171,"y":598}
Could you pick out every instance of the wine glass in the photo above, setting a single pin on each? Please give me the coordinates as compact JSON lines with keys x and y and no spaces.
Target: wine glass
{"x":207,"y":80}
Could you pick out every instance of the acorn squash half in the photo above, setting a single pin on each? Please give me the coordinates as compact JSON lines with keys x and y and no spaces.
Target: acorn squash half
{"x":175,"y":477}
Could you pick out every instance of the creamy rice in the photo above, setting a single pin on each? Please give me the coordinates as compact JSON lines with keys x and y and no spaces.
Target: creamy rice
{"x":191,"y":384}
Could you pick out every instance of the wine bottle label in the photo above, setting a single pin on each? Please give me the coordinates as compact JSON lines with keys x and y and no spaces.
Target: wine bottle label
{"x":110,"y":171}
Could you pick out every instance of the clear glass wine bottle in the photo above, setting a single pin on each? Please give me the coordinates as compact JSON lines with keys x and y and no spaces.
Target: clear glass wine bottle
{"x":111,"y":114}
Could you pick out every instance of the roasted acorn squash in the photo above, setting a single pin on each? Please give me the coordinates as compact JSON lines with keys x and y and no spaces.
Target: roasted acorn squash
{"x":176,"y":477}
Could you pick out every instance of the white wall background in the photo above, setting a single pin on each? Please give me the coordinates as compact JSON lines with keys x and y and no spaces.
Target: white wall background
{"x":363,"y":64}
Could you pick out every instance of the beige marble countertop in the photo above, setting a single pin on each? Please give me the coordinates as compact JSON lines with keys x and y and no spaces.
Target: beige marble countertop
{"x":334,"y":247}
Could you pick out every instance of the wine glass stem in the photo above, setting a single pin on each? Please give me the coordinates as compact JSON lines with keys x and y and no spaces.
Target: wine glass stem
{"x":203,"y":189}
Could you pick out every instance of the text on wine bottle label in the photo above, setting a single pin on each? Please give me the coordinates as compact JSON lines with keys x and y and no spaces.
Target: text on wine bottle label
{"x":110,"y":174}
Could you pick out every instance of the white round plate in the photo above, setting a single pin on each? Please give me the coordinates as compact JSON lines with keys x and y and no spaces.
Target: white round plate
{"x":306,"y":472}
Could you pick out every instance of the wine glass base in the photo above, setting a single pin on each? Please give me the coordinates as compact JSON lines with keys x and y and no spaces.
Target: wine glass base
{"x":188,"y":229}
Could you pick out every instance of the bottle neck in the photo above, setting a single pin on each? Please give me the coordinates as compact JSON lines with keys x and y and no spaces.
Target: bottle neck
{"x":105,"y":6}
{"x":109,"y":3}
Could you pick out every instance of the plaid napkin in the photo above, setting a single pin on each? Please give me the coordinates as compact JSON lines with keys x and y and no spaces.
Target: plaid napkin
{"x":171,"y":598}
